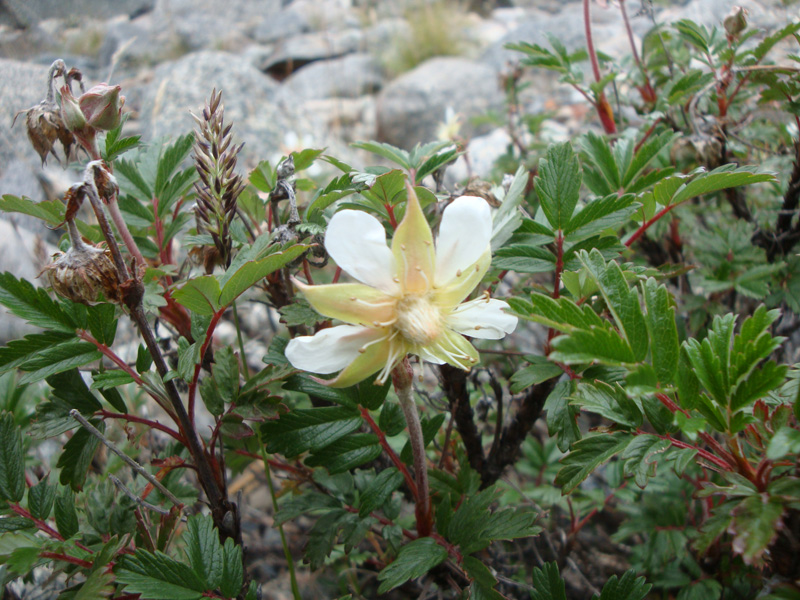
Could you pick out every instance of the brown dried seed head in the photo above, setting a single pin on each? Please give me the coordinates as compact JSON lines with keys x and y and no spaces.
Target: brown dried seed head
{"x":81,"y":274}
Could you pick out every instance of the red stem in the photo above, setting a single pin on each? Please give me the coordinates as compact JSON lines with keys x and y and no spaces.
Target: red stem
{"x":86,"y":564}
{"x":134,"y":419}
{"x":578,"y":526}
{"x":273,"y":463}
{"x":307,"y":272}
{"x":336,"y":275}
{"x":392,"y":454}
{"x":587,"y":23}
{"x":646,"y":225}
{"x":647,"y":91}
{"x":392,"y":219}
{"x":199,"y":366}
{"x":704,"y":453}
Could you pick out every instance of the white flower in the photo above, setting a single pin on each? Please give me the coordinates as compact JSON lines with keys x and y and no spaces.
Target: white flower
{"x":410,"y":299}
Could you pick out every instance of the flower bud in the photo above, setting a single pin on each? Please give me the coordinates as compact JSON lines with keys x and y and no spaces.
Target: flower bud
{"x":736,"y":21}
{"x":102,"y":106}
{"x":71,"y":112}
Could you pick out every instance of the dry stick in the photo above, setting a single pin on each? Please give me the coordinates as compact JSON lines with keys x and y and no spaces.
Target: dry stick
{"x":218,"y":502}
{"x":143,"y":503}
{"x":127,"y":459}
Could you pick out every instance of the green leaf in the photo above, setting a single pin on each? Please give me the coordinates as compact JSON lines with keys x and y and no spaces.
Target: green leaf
{"x":387,"y":151}
{"x":694,"y":33}
{"x":263,"y":177}
{"x":11,"y":524}
{"x":620,"y":300}
{"x":110,"y":379}
{"x":392,"y":421}
{"x":379,"y":490}
{"x":640,"y":455}
{"x":601,"y":214}
{"x":785,"y":441}
{"x":226,"y":373}
{"x":588,"y":454}
{"x":547,"y":583}
{"x":250,"y":273}
{"x":99,"y":584}
{"x":71,"y":388}
{"x":481,"y":575}
{"x":232,"y":569}
{"x":200,"y":295}
{"x":303,"y":383}
{"x":56,"y":359}
{"x":33,"y":304}
{"x":65,"y":513}
{"x":414,"y":560}
{"x":299,"y":312}
{"x":558,"y":184}
{"x":662,"y":329}
{"x":116,"y":146}
{"x":346,"y":453}
{"x":77,"y":456}
{"x":610,"y":402}
{"x":157,"y":576}
{"x":128,"y":172}
{"x":755,"y":525}
{"x":41,"y":498}
{"x":388,"y":188}
{"x":648,"y":151}
{"x":726,"y":176}
{"x":18,"y":351}
{"x":540,"y":369}
{"x":367,"y":394}
{"x":602,"y":345}
{"x":628,"y":587}
{"x":309,"y":429}
{"x":203,"y":550}
{"x":170,"y":159}
{"x":524,"y":258}
{"x":600,"y":154}
{"x":562,"y":417}
{"x":50,"y":211}
{"x":305,"y":158}
{"x":437,"y":161}
{"x":12,"y":462}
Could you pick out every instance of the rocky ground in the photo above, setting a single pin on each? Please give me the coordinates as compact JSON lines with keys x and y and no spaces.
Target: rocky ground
{"x":296,"y":74}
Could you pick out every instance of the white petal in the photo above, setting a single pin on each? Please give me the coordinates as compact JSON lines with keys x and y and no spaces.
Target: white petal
{"x":331,"y":349}
{"x":481,"y":318}
{"x":464,"y":235}
{"x":357,"y":242}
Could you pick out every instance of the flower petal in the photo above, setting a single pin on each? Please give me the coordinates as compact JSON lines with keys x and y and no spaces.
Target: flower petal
{"x":484,"y":318}
{"x":373,"y":359}
{"x":352,"y":303}
{"x":464,"y":235}
{"x":453,"y":349}
{"x":459,"y":287}
{"x":357,"y":242}
{"x":331,"y":349}
{"x":412,"y":246}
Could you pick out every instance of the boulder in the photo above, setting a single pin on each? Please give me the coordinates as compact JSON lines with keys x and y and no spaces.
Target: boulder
{"x":293,"y":53}
{"x":24,"y":13}
{"x":350,"y":76}
{"x":249,"y":98}
{"x":411,"y":107}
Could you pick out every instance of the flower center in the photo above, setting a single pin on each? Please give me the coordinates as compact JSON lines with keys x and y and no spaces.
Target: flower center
{"x":418,"y":320}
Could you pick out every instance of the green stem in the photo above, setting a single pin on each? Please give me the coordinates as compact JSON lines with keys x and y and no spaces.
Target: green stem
{"x":239,"y":339}
{"x":286,"y":553}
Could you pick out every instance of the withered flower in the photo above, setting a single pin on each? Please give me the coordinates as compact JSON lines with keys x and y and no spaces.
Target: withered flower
{"x":219,"y":185}
{"x":84,"y":271}
{"x":44,"y":122}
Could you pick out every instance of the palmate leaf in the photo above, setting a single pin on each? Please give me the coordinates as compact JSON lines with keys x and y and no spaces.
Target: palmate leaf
{"x":414,"y":560}
{"x":558,"y":184}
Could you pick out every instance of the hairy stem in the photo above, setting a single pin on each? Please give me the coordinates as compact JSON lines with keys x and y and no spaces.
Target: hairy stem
{"x":402,"y":377}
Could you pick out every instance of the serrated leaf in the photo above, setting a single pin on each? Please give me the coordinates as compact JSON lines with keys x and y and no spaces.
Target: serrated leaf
{"x":599,"y":152}
{"x":414,"y":560}
{"x":252,"y":272}
{"x":622,"y":301}
{"x":558,"y":184}
{"x":41,"y":498}
{"x":726,"y":176}
{"x":437,"y":161}
{"x":346,"y":453}
{"x":588,"y":454}
{"x":70,"y":387}
{"x":33,"y":304}
{"x":170,"y":159}
{"x":57,"y":359}
{"x":200,"y":295}
{"x":309,"y":429}
{"x":12,"y":463}
{"x":610,"y":402}
{"x":628,"y":587}
{"x":639,"y":457}
{"x":303,"y":383}
{"x":99,"y":584}
{"x":18,"y":351}
{"x":481,"y":575}
{"x":232,"y":569}
{"x":392,"y":421}
{"x":662,"y":329}
{"x":299,"y":312}
{"x":11,"y":524}
{"x":387,"y":151}
{"x":263,"y":177}
{"x":562,"y":417}
{"x":379,"y":490}
{"x":77,"y":456}
{"x":50,"y":211}
{"x":600,"y":214}
{"x":755,"y":525}
{"x":540,"y":369}
{"x":524,"y":258}
{"x":157,"y":576}
{"x":110,"y":379}
{"x":131,"y":180}
{"x":547,"y":583}
{"x":65,"y":513}
{"x":204,"y":550}
{"x":648,"y":151}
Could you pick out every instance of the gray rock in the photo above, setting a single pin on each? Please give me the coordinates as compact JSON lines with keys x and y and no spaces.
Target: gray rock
{"x":248,"y":95}
{"x":293,"y":53}
{"x":351,"y":76}
{"x":24,"y":13}
{"x":767,"y":14}
{"x":483,"y":151}
{"x":411,"y":106}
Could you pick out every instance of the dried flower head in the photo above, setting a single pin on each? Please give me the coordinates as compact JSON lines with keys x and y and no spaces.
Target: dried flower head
{"x":219,"y":185}
{"x":84,"y":271}
{"x":44,"y":122}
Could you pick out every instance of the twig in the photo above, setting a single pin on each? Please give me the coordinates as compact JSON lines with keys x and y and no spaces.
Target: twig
{"x":143,"y":503}
{"x":127,"y":459}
